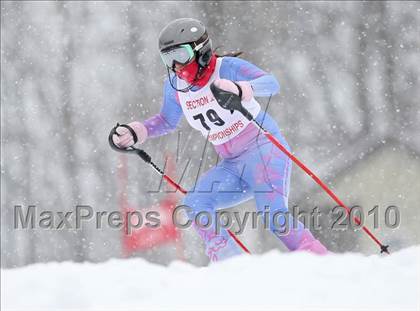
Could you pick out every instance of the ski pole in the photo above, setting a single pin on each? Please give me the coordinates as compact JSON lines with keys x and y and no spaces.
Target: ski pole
{"x":148,"y":159}
{"x":231,"y":101}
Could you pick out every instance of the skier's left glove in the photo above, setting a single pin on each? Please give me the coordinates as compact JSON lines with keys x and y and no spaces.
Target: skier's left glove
{"x":229,"y":86}
{"x":126,"y":139}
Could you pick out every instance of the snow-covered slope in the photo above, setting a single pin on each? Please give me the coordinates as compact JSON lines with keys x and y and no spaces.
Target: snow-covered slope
{"x":298,"y":281}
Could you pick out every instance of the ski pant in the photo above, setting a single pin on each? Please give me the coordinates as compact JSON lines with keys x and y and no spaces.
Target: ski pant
{"x":257,"y":170}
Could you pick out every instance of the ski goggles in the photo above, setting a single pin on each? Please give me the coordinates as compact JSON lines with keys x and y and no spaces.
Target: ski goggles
{"x":182,"y":54}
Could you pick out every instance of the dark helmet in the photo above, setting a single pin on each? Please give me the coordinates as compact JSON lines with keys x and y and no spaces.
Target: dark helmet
{"x":187,"y":31}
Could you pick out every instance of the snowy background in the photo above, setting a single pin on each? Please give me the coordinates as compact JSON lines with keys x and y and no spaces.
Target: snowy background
{"x":349,"y":107}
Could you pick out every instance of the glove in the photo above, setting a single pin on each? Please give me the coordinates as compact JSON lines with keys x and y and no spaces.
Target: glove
{"x":229,"y":86}
{"x":126,"y":139}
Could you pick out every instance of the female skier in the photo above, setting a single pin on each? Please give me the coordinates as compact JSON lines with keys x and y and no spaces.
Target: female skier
{"x":251,"y":165}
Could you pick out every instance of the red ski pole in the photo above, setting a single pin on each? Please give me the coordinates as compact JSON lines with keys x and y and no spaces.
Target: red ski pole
{"x":232,"y":102}
{"x":148,"y":159}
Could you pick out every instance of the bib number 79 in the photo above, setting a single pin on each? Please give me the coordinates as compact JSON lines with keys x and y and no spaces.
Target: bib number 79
{"x":212,"y":116}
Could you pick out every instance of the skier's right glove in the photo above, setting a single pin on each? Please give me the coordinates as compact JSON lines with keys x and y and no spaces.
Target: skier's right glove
{"x":126,"y":139}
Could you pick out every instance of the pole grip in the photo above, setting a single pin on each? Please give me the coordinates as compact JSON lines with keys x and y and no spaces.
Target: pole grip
{"x":141,"y":153}
{"x":230,"y":101}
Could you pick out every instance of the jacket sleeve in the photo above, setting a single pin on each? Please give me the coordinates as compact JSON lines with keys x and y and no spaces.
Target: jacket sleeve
{"x":169,"y":116}
{"x":237,"y":69}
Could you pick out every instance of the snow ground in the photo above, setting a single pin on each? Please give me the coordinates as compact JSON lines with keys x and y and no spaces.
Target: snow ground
{"x":273,"y":281}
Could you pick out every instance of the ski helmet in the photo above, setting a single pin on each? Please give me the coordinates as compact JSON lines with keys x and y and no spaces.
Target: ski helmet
{"x":185,"y":32}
